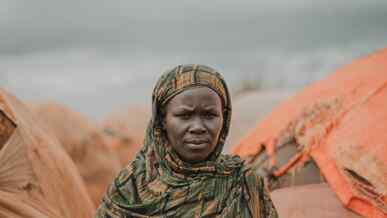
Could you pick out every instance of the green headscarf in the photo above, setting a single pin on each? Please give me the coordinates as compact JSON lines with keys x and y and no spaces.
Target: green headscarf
{"x":159,"y":184}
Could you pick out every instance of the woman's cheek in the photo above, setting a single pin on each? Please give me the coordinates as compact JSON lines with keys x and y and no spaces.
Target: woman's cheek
{"x":217,"y":124}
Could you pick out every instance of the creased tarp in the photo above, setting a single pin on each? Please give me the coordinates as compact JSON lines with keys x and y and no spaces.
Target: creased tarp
{"x":37,"y":178}
{"x":339,"y":122}
{"x":97,"y":163}
{"x":125,"y":130}
{"x":309,"y":201}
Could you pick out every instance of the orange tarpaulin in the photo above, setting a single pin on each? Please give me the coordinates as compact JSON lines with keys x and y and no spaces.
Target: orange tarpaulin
{"x":37,"y":178}
{"x":340,"y":122}
{"x":97,"y":163}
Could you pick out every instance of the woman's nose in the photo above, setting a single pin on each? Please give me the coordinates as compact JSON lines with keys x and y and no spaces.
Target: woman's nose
{"x":197,"y":127}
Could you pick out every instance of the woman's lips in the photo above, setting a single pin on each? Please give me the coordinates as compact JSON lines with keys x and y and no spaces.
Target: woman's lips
{"x":196,"y":145}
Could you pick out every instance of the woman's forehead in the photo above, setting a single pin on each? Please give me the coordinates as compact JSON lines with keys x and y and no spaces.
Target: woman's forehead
{"x":196,"y":95}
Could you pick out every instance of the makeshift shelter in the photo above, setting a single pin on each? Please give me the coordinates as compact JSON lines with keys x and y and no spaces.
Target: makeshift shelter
{"x":37,"y":178}
{"x":125,"y":131}
{"x":339,"y":123}
{"x":97,"y":163}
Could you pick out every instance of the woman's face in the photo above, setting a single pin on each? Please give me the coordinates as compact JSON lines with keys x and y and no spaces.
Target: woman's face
{"x":193,"y":121}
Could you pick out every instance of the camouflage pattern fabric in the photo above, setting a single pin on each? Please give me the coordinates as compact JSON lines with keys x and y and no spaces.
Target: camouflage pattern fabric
{"x":159,"y":184}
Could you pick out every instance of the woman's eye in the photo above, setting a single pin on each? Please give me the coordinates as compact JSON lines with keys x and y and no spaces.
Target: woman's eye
{"x":183,"y":116}
{"x":209,"y":115}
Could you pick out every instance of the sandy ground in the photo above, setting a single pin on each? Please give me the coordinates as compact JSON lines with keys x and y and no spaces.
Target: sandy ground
{"x":317,"y":201}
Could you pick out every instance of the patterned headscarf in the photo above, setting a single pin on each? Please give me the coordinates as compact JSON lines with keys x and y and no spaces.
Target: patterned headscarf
{"x":159,"y":184}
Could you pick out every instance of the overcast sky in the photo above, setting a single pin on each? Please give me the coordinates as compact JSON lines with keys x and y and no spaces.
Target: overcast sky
{"x":97,"y":55}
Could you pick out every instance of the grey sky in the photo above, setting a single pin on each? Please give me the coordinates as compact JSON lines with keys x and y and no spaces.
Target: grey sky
{"x":96,"y":55}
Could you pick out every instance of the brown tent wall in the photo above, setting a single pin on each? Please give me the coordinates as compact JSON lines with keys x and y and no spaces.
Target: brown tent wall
{"x":125,"y":130}
{"x":97,"y":163}
{"x":37,"y":178}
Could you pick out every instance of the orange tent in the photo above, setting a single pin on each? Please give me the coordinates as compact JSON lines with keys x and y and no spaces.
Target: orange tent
{"x":97,"y":163}
{"x":340,"y":123}
{"x":37,"y":178}
{"x":125,"y":131}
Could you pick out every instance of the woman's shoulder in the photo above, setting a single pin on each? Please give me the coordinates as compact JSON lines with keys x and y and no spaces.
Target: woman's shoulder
{"x":122,"y":189}
{"x":116,"y":190}
{"x":123,"y":176}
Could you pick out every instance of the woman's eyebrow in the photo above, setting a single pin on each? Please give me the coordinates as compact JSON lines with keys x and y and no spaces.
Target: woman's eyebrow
{"x":184,"y":107}
{"x":210,"y":107}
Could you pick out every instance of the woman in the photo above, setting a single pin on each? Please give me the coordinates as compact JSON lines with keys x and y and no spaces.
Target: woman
{"x":180,"y":171}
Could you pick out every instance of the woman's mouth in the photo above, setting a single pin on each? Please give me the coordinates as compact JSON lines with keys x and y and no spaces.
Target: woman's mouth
{"x":196,"y":144}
